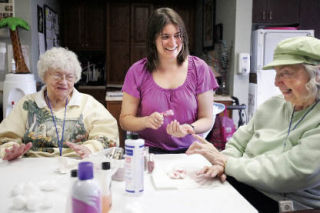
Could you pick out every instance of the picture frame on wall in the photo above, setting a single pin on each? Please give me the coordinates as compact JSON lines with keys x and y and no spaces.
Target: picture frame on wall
{"x":40,"y":19}
{"x":7,"y":8}
{"x":51,"y":28}
{"x":208,"y":24}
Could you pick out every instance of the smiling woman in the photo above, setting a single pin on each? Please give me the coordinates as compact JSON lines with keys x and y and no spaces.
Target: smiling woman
{"x":167,"y":79}
{"x":58,"y":120}
{"x":292,"y":80}
{"x":274,"y":160}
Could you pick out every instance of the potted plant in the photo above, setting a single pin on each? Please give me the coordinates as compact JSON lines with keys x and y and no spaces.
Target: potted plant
{"x":12,"y":23}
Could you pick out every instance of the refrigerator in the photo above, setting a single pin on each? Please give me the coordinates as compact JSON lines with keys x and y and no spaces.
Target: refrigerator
{"x":263,"y":44}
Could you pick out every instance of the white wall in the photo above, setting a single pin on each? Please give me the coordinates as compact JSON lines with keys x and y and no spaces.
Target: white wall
{"x":235,"y":15}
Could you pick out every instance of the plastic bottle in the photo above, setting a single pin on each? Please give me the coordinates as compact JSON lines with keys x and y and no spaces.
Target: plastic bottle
{"x":86,"y":193}
{"x":73,"y":179}
{"x":106,"y":195}
{"x":134,"y":166}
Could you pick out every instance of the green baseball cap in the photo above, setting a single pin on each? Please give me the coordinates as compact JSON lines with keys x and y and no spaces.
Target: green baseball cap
{"x":296,"y":50}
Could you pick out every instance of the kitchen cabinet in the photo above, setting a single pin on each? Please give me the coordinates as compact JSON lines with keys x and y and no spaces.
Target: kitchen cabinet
{"x":126,"y":37}
{"x":114,"y":107}
{"x":309,"y":13}
{"x":126,"y":33}
{"x":276,"y":11}
{"x":98,"y":92}
{"x":83,"y":25}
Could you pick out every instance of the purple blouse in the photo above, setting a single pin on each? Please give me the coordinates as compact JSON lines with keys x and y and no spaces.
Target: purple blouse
{"x":182,"y":100}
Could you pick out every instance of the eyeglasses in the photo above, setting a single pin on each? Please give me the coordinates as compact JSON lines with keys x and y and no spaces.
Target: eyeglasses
{"x":56,"y":76}
{"x":286,"y":74}
{"x":165,"y":37}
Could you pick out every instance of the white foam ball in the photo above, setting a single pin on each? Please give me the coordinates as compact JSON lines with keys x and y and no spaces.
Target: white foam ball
{"x":30,"y":188}
{"x":19,"y":202}
{"x":17,"y":189}
{"x":33,"y":202}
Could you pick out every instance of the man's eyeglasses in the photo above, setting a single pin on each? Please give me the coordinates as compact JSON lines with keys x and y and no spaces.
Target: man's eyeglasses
{"x":177,"y":36}
{"x":60,"y":76}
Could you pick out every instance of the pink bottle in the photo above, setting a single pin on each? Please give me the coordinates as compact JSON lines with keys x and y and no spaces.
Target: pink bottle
{"x":86,"y":193}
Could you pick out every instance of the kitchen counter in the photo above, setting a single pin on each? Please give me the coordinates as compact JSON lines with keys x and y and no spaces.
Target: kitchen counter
{"x":218,"y":98}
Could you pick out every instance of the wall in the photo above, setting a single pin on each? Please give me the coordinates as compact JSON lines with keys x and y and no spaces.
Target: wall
{"x":27,"y":10}
{"x":235,"y":15}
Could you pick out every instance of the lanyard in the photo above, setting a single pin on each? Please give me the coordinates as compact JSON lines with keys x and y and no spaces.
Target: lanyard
{"x":60,"y":141}
{"x":295,"y":126}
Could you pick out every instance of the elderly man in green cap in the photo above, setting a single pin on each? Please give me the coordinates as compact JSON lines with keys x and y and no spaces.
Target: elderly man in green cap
{"x":274,"y":161}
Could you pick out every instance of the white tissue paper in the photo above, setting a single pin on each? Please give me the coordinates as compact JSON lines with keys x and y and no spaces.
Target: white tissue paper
{"x":163,"y":175}
{"x":66,"y":164}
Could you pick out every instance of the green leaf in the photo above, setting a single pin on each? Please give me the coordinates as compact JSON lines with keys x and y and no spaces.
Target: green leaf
{"x":13,"y":23}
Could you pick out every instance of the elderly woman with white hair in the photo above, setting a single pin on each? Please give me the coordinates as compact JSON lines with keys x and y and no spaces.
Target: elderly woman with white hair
{"x":274,"y":161}
{"x":58,"y":120}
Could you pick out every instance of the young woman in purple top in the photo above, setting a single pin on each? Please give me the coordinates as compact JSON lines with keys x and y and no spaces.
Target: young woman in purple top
{"x":168,"y":79}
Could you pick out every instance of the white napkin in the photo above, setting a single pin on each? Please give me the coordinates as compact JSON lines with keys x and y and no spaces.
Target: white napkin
{"x":189,"y":163}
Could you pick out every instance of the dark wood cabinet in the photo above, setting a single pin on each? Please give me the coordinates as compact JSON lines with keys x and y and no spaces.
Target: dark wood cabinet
{"x":278,"y":12}
{"x":126,"y":37}
{"x":126,"y":34}
{"x":117,"y":29}
{"x":114,"y":107}
{"x":84,"y":25}
{"x":98,"y":92}
{"x":309,"y":16}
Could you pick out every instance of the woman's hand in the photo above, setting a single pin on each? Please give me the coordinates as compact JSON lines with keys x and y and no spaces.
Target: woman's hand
{"x":16,"y":151}
{"x":207,"y":150}
{"x":81,"y":150}
{"x":154,"y":121}
{"x":213,"y":171}
{"x":178,"y":130}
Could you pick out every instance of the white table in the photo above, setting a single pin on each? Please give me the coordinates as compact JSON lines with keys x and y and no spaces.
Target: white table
{"x":221,"y":198}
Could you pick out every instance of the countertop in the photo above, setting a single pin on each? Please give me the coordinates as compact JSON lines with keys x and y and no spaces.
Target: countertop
{"x":216,"y":98}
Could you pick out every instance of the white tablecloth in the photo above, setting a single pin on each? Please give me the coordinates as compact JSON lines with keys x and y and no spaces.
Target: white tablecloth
{"x":216,"y":198}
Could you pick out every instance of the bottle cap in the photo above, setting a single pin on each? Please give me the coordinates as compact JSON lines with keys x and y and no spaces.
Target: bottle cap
{"x":74,"y":173}
{"x":85,"y":170}
{"x":105,"y":165}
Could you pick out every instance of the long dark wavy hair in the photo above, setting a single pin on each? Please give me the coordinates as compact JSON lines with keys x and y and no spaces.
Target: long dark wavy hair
{"x":158,"y":20}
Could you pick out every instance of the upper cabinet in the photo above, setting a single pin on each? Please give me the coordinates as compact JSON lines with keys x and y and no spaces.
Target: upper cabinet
{"x":118,"y":28}
{"x":126,"y":37}
{"x":275,"y":11}
{"x":309,"y":14}
{"x":126,"y":33}
{"x":84,"y":25}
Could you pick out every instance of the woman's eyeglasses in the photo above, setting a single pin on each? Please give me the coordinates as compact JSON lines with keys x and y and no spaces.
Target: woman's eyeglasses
{"x":56,"y":76}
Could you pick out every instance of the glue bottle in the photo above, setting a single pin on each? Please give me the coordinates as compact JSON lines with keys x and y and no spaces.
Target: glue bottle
{"x":86,"y":193}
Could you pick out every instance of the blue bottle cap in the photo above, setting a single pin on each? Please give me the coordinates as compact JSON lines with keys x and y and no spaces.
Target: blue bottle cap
{"x":85,"y":170}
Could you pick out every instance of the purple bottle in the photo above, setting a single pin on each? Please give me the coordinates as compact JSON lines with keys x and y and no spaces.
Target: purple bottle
{"x":86,"y":193}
